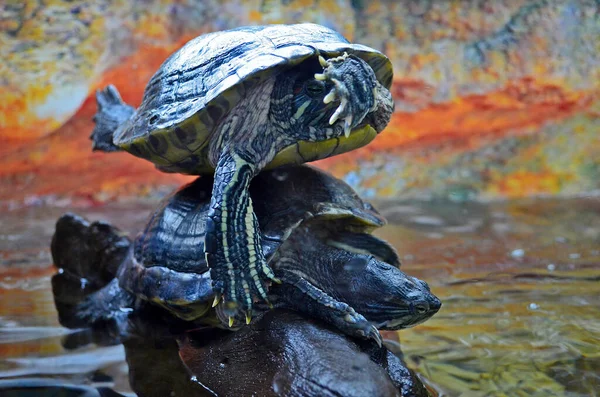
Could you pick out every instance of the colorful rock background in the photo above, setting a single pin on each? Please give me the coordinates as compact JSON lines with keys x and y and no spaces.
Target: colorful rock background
{"x":494,"y":98}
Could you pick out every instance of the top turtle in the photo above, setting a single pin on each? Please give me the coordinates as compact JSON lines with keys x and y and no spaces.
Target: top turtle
{"x":238,"y":101}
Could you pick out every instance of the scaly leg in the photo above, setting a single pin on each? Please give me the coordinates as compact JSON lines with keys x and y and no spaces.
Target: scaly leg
{"x":233,"y":242}
{"x":323,"y":306}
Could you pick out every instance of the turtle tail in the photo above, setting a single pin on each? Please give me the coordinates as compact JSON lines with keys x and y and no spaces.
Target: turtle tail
{"x":87,"y":256}
{"x":112,"y":113}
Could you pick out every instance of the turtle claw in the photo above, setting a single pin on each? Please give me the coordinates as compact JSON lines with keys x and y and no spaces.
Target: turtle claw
{"x":347,"y":125}
{"x":230,"y":322}
{"x":329,"y":97}
{"x":248,"y":317}
{"x":323,"y":61}
{"x":216,"y":300}
{"x":370,"y":332}
{"x":361,"y":326}
{"x":373,"y":333}
{"x":338,"y":112}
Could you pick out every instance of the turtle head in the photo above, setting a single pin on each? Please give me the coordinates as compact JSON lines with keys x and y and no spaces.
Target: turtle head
{"x":385,"y":295}
{"x":330,"y":98}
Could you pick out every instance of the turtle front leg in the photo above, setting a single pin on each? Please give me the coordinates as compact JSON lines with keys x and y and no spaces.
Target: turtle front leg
{"x":233,"y":242}
{"x":356,"y":100}
{"x":307,"y":298}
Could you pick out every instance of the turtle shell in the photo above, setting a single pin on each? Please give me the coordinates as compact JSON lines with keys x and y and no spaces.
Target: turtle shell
{"x":167,"y":263}
{"x":196,"y":86}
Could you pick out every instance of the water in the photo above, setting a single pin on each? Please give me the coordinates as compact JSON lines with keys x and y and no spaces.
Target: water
{"x":519,"y":282}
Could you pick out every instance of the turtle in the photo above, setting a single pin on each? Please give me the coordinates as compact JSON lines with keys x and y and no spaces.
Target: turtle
{"x":232,"y":103}
{"x":315,"y":234}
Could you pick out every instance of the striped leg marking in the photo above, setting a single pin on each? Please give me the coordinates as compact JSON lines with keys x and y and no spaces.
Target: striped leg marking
{"x":233,"y":242}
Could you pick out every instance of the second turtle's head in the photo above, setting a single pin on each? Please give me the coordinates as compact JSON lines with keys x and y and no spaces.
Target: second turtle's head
{"x":330,"y":98}
{"x":384,"y":294}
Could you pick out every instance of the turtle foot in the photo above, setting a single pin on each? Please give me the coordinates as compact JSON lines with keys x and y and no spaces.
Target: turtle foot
{"x":238,"y":283}
{"x":238,"y":289}
{"x":307,"y":298}
{"x":354,"y":83}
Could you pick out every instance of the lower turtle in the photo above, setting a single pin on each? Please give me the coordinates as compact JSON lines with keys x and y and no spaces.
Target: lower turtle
{"x":315,"y":233}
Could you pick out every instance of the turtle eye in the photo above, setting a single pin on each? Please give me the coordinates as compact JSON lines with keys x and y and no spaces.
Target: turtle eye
{"x":315,"y":87}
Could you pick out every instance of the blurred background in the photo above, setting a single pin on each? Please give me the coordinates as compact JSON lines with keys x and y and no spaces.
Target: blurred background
{"x":488,"y":173}
{"x":493,"y":98}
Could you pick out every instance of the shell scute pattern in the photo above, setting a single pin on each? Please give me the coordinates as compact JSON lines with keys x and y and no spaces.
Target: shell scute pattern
{"x":175,"y":234}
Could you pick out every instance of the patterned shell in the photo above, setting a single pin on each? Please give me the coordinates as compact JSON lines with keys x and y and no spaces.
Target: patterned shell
{"x":196,"y":86}
{"x":174,"y":236}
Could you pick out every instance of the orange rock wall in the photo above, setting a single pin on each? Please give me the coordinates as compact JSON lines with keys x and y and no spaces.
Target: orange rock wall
{"x":493,"y":98}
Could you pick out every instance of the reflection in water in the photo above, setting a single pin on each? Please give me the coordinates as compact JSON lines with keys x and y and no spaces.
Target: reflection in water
{"x":519,"y":282}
